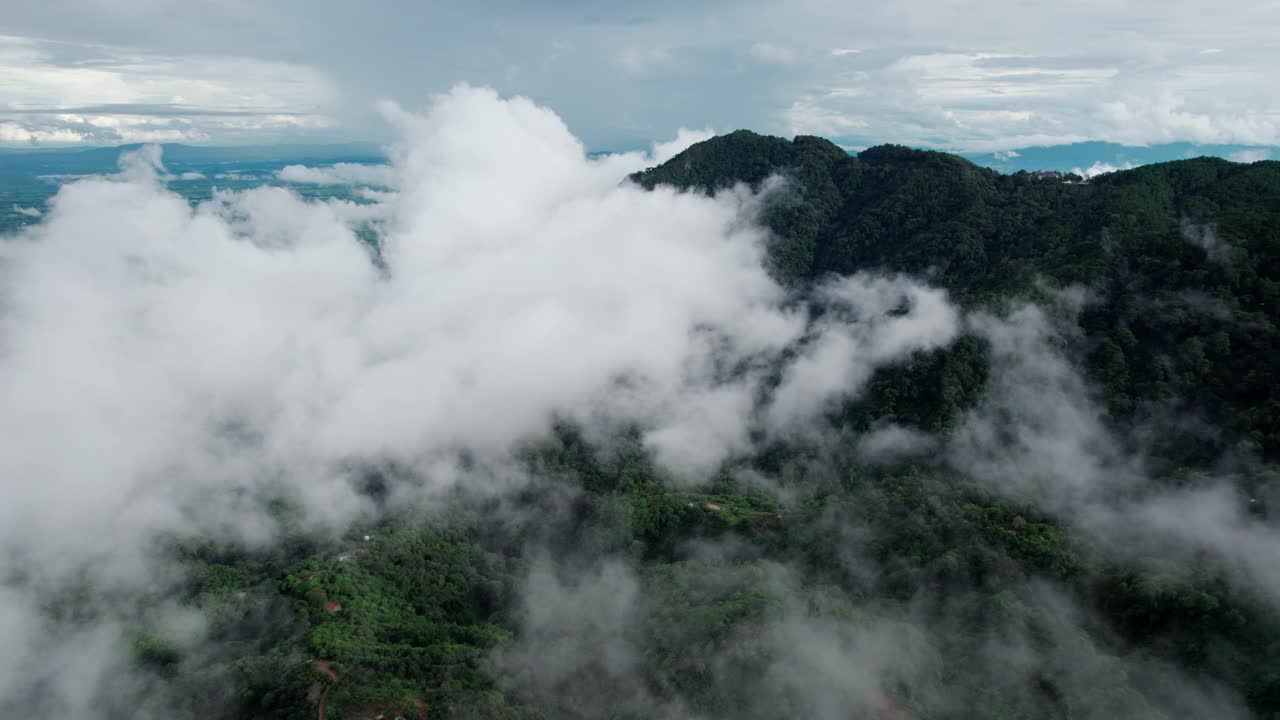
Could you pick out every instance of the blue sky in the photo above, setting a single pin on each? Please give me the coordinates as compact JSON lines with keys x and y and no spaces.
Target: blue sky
{"x":974,"y":76}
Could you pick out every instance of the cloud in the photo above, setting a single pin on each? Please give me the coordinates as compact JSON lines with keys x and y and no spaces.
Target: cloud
{"x":1251,"y":155}
{"x":339,"y":174}
{"x":890,"y":443}
{"x":1042,"y":75}
{"x":1027,"y":437}
{"x":581,"y":638}
{"x":12,"y":132}
{"x":114,"y":95}
{"x":1040,"y":438}
{"x":870,"y":321}
{"x":1205,"y":237}
{"x":993,"y":100}
{"x":664,"y":151}
{"x":1102,"y":167}
{"x":27,"y":211}
{"x":1065,"y":73}
{"x":987,"y":101}
{"x":1170,"y":116}
{"x":589,"y":637}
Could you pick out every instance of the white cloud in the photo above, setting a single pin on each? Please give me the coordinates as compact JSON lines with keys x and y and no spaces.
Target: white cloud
{"x":124,"y":96}
{"x":1101,"y":167}
{"x":990,"y":101}
{"x":1250,"y":156}
{"x":870,"y":321}
{"x":810,"y":117}
{"x":27,"y":211}
{"x":1166,"y":116}
{"x":664,"y":151}
{"x":14,"y":133}
{"x":339,"y":174}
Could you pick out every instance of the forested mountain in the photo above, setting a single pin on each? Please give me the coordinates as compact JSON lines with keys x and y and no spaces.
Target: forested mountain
{"x":1063,"y":511}
{"x":1168,"y":252}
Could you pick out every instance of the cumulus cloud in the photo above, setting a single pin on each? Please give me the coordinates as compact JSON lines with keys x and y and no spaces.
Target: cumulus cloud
{"x":27,"y":211}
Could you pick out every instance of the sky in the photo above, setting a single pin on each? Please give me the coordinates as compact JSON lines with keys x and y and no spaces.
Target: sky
{"x":952,"y":74}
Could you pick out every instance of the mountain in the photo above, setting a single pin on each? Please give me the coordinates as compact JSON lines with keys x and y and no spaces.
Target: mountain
{"x":1061,"y":506}
{"x":1156,"y":247}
